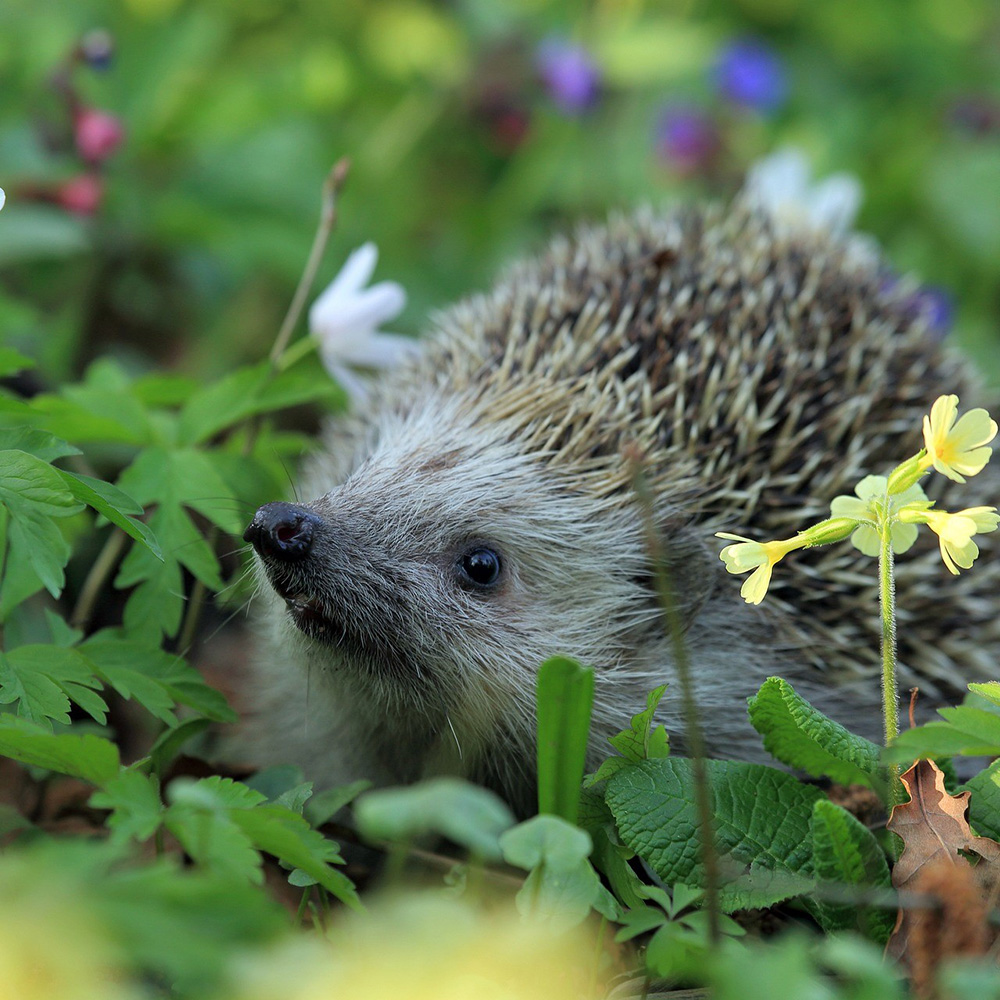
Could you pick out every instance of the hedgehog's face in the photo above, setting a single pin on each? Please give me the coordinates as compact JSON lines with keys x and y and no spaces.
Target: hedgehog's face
{"x":451,"y":562}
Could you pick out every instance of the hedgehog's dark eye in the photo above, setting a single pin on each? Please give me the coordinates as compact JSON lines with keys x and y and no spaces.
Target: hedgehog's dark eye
{"x":480,"y":566}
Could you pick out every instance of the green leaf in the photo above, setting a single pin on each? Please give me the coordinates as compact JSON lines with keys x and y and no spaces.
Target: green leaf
{"x":641,"y":740}
{"x":32,"y":493}
{"x":173,"y":480}
{"x":113,"y":504}
{"x":761,"y":816}
{"x":846,"y":854}
{"x":12,"y":362}
{"x":565,"y":693}
{"x":251,"y":391}
{"x":802,"y":737}
{"x":323,"y":806}
{"x":89,"y":757}
{"x":223,"y":824}
{"x":169,"y":743}
{"x":990,"y":691}
{"x":156,"y":679}
{"x":563,"y":886}
{"x":35,"y":442}
{"x":984,"y":804}
{"x":286,"y":835}
{"x":42,"y":680}
{"x":449,"y":807}
{"x":966,"y":730}
{"x":134,"y":801}
{"x":101,"y":408}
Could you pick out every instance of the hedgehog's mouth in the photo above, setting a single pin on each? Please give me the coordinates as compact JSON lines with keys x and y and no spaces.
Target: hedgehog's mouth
{"x":310,"y":617}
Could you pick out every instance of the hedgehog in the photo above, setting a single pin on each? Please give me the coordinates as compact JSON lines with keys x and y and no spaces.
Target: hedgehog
{"x":476,"y":514}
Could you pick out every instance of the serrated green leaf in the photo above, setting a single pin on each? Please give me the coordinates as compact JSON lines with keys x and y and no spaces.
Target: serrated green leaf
{"x":113,"y":504}
{"x":32,"y":494}
{"x":42,"y":680}
{"x":846,"y":854}
{"x":287,"y":836}
{"x":565,"y":694}
{"x":89,"y":757}
{"x":802,"y":737}
{"x":134,"y":801}
{"x":155,"y":678}
{"x":214,"y":841}
{"x":562,"y":886}
{"x":989,"y":690}
{"x":641,"y":740}
{"x":471,"y":816}
{"x":984,"y":804}
{"x":761,"y":820}
{"x":218,"y":815}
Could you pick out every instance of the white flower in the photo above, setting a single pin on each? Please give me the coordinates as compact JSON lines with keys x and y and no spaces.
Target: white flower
{"x":345,"y":319}
{"x":3,"y":198}
{"x":780,"y":184}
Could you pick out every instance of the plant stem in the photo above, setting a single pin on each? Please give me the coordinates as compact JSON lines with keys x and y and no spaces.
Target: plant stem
{"x":327,"y":220}
{"x":99,"y":572}
{"x":692,"y":726}
{"x":890,"y":691}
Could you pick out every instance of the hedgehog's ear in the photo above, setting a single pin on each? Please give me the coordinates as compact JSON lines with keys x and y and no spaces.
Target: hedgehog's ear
{"x":691,"y":568}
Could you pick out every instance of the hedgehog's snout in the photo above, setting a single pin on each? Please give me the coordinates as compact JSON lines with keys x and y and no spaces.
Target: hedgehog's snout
{"x":282,"y":531}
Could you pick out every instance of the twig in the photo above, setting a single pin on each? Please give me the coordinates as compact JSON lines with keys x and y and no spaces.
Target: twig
{"x":327,"y":220}
{"x":668,"y":602}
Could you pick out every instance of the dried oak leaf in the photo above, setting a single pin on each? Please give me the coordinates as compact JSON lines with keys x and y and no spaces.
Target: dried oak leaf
{"x":934,"y":828}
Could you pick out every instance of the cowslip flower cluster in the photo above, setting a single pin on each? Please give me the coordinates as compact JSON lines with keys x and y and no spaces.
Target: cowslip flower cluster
{"x":954,"y":446}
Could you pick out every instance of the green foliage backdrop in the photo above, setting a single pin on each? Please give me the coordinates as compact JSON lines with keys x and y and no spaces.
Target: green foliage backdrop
{"x":235,"y":109}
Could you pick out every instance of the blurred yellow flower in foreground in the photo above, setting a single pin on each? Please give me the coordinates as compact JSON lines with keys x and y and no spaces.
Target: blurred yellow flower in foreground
{"x":956,"y":446}
{"x":427,"y":947}
{"x":52,"y":949}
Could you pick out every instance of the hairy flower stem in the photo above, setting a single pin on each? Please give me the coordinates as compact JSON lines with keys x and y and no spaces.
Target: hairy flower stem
{"x":890,"y":690}
{"x":692,"y":726}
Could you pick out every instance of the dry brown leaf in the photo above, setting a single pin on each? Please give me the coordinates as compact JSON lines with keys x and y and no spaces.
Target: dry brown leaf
{"x":934,"y":828}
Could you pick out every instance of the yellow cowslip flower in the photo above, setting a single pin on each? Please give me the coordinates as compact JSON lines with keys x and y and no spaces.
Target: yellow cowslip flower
{"x":758,"y":556}
{"x":956,"y":446}
{"x":955,"y":531}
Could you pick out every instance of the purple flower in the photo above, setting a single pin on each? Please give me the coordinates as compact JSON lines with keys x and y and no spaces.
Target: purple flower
{"x":936,"y":307}
{"x":686,"y":138}
{"x":97,"y":49}
{"x":749,"y":73}
{"x":570,"y":75}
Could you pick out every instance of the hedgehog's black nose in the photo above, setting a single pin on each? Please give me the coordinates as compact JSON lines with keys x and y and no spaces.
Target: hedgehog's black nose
{"x":282,"y":531}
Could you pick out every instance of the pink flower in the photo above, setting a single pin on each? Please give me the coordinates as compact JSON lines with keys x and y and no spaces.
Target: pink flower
{"x":80,"y":195}
{"x":98,"y":134}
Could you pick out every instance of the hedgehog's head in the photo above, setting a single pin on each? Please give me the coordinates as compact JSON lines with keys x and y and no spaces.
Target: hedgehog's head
{"x":453,"y":559}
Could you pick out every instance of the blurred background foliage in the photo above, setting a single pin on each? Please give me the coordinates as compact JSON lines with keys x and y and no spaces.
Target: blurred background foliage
{"x":170,"y":226}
